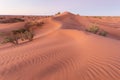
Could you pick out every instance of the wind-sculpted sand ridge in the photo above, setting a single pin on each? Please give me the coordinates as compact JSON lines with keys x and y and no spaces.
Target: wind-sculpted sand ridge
{"x":62,"y":54}
{"x":51,"y":26}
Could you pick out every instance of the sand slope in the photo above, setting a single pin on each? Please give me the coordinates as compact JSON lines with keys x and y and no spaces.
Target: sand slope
{"x":109,"y":24}
{"x":62,"y":54}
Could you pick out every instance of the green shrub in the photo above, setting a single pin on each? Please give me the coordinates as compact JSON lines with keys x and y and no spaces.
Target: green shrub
{"x":93,"y":29}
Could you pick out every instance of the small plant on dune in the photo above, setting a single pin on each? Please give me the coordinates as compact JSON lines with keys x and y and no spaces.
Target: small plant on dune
{"x":93,"y":29}
{"x":19,"y":33}
{"x":8,"y":40}
{"x":103,"y":33}
{"x":96,"y":30}
{"x":28,"y":35}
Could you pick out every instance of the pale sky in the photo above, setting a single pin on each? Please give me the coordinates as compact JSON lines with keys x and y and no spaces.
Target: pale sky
{"x":49,"y":7}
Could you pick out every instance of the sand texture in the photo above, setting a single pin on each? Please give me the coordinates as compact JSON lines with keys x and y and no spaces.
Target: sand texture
{"x":63,"y":50}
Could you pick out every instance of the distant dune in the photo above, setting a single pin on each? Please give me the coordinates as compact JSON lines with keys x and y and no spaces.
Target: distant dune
{"x":62,"y":49}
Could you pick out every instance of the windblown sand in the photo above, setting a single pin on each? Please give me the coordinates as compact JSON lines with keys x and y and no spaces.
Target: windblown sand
{"x":60,"y":52}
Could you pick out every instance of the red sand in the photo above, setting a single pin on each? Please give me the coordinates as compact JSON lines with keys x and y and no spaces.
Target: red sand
{"x":62,"y":50}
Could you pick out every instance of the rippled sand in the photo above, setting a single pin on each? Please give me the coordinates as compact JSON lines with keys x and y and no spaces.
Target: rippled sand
{"x":61,"y":54}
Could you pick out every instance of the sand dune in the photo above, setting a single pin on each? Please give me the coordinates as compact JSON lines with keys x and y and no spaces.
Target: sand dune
{"x":109,"y":24}
{"x":62,"y":53}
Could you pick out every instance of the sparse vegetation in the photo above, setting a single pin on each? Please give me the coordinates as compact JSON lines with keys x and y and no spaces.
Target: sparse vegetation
{"x":96,"y":30}
{"x":16,"y":35}
{"x":9,"y":40}
{"x":22,"y":34}
{"x":103,"y":33}
{"x":28,"y":35}
{"x":93,"y":29}
{"x":6,"y":40}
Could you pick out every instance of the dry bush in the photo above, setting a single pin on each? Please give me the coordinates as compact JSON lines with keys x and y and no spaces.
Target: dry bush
{"x":96,"y":30}
{"x":16,"y":35}
{"x":93,"y":29}
{"x":103,"y":33}
{"x":8,"y":40}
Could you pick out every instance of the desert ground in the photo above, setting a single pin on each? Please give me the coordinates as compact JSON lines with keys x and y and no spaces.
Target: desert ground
{"x":65,"y":47}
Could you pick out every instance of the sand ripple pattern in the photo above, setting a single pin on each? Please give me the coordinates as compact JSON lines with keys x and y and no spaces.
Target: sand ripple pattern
{"x":61,"y":55}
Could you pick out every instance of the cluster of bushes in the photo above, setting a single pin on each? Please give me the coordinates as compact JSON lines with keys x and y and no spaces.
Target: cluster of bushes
{"x":22,"y":34}
{"x":12,"y":20}
{"x":96,"y":30}
{"x":16,"y":35}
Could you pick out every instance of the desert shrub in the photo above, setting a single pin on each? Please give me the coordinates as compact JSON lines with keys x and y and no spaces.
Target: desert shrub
{"x":19,"y":31}
{"x":103,"y":33}
{"x":8,"y":40}
{"x":17,"y":34}
{"x":28,"y":35}
{"x":96,"y":30}
{"x":21,"y":34}
{"x":15,"y":38}
{"x":93,"y":29}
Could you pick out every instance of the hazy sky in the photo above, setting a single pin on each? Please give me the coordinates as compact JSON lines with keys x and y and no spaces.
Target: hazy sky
{"x":44,"y":7}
